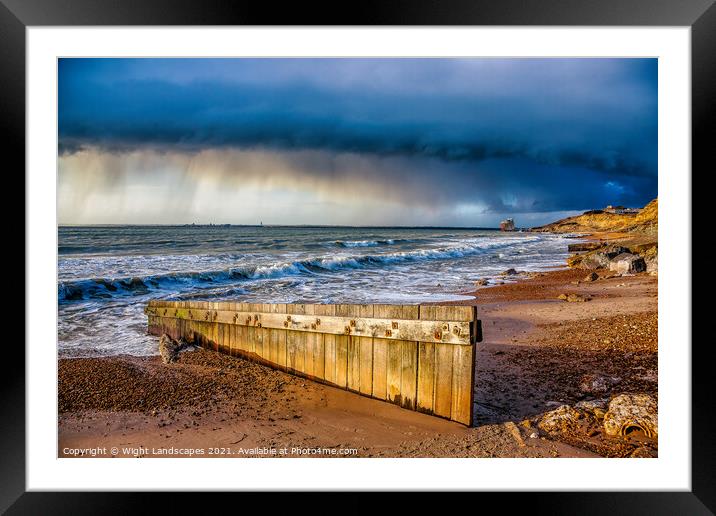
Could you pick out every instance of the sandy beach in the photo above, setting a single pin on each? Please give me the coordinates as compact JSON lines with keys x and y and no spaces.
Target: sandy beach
{"x":538,"y":353}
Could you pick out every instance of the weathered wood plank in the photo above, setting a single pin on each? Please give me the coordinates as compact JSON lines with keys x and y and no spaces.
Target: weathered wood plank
{"x":329,"y":346}
{"x":317,"y":349}
{"x":380,"y":357}
{"x":426,"y":376}
{"x":352,"y":353}
{"x":426,"y":365}
{"x":215,"y":326}
{"x":462,"y":384}
{"x":342,"y":350}
{"x":252,"y":337}
{"x":440,"y":330}
{"x":272,"y":342}
{"x":229,"y":333}
{"x":409,"y":373}
{"x":310,"y":344}
{"x":296,"y":341}
{"x":394,"y":355}
{"x":442,"y":404}
{"x":365,"y":354}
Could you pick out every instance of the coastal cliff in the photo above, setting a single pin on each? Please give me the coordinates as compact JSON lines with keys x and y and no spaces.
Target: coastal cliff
{"x":645,"y":221}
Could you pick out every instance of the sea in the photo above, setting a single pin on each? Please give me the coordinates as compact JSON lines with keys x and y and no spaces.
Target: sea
{"x":106,"y":274}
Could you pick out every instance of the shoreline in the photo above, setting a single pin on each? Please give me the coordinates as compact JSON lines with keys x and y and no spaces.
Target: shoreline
{"x":535,"y":356}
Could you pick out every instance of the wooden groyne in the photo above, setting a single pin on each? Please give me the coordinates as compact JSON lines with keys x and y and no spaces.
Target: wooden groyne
{"x":419,"y":357}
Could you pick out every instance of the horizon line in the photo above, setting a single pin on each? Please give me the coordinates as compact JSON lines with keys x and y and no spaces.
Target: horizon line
{"x":280,"y":226}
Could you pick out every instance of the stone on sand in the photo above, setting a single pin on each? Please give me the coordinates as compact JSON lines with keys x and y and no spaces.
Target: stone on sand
{"x":561,"y":419}
{"x":593,"y":276}
{"x":628,"y":412}
{"x":595,"y":407}
{"x":597,"y":384}
{"x":573,"y":298}
{"x":627,"y":263}
{"x":168,"y":349}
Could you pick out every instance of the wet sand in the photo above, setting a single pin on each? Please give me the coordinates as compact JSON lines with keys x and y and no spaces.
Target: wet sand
{"x":535,"y":353}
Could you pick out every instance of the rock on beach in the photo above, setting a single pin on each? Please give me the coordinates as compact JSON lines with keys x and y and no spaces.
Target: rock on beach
{"x":628,"y":412}
{"x":627,"y":263}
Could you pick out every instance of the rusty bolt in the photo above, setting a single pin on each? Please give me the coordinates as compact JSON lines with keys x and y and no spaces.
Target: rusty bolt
{"x":438,"y":335}
{"x":446,"y":327}
{"x":288,"y":318}
{"x":285,"y":324}
{"x":313,"y":326}
{"x":353,"y":323}
{"x":165,"y":311}
{"x":456,"y":330}
{"x":216,"y":314}
{"x":395,"y":325}
{"x":318,"y":322}
{"x":388,"y":333}
{"x":258,"y":325}
{"x":348,"y":330}
{"x":256,"y":317}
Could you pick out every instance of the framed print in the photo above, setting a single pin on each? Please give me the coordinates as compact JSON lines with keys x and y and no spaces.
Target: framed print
{"x":417,"y":249}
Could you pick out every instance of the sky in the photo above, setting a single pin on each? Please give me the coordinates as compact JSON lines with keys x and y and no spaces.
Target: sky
{"x":373,"y":141}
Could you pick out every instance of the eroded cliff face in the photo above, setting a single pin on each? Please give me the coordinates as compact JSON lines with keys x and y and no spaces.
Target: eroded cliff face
{"x":645,"y":221}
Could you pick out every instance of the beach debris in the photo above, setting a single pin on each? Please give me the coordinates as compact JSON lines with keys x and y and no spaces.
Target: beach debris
{"x":573,"y":298}
{"x":592,"y":276}
{"x":643,"y":452}
{"x":595,"y":407}
{"x":632,"y":412}
{"x":627,"y":263}
{"x":169,"y":348}
{"x":481,"y":282}
{"x":509,"y":272}
{"x":595,"y":384}
{"x":561,"y":419}
{"x":515,"y":432}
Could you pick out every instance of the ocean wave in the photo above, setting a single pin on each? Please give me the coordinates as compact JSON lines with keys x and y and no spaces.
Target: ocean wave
{"x":363,"y":243}
{"x":98,"y":288}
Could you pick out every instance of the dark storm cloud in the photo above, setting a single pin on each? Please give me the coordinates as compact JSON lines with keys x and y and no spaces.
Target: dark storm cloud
{"x":554,"y":132}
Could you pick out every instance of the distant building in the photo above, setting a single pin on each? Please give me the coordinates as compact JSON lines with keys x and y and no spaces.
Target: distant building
{"x":620,"y":210}
{"x":507,"y":225}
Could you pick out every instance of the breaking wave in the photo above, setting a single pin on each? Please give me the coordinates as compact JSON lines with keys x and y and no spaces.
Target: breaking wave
{"x":99,"y":288}
{"x":364,"y":243}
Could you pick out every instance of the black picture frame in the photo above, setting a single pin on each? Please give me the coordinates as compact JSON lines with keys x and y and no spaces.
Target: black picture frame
{"x":700,"y":15}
